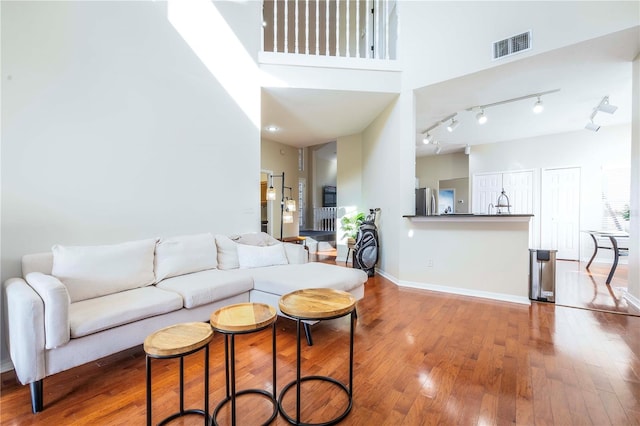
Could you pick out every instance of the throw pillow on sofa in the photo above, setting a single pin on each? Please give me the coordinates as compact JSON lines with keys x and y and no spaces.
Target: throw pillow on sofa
{"x":227,"y":253}
{"x":259,"y":256}
{"x":94,"y":271}
{"x":228,"y":247}
{"x":255,"y":239}
{"x":185,"y":254}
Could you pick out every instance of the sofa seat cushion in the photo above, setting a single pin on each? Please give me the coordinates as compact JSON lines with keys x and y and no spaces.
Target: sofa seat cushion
{"x":209,"y":286}
{"x":94,"y":315}
{"x":287,"y":278}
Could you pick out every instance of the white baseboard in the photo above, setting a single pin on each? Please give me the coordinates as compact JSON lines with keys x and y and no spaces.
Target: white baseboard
{"x":631,"y":299}
{"x":6,"y":366}
{"x":455,"y":290}
{"x":467,"y":292}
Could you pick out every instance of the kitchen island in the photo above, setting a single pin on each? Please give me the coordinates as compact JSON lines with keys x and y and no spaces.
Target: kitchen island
{"x":471,"y":254}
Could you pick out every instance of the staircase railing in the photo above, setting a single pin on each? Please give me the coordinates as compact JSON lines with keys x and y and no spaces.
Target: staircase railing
{"x":324,"y":218}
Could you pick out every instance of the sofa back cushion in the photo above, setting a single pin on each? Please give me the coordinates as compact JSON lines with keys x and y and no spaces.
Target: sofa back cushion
{"x":37,"y":262}
{"x":185,"y":254}
{"x":94,"y":271}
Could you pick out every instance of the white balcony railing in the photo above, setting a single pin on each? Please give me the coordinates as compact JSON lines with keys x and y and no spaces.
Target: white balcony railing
{"x":348,"y":28}
{"x":324,"y":218}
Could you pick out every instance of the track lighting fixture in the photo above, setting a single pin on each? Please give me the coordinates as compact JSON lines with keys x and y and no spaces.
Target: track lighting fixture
{"x":592,"y":126}
{"x":467,"y":150}
{"x":452,"y":126}
{"x":481,"y":117}
{"x":605,"y":106}
{"x":438,"y":149}
{"x":427,"y":139}
{"x":538,"y":107}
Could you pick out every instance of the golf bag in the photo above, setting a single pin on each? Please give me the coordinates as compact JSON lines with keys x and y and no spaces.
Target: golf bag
{"x":365,"y":250}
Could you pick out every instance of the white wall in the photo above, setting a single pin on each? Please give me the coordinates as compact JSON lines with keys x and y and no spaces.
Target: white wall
{"x":349,"y":182}
{"x":634,"y":231}
{"x":113,"y":129}
{"x":279,"y":158}
{"x":434,"y":168}
{"x":388,"y":177}
{"x":434,"y":29}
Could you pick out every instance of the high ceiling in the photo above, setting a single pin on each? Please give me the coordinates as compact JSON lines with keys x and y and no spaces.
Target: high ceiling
{"x":584,"y":73}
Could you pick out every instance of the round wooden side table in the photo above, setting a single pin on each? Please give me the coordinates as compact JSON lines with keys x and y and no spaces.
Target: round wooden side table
{"x":317,"y":304}
{"x":178,"y":341}
{"x":243,"y":318}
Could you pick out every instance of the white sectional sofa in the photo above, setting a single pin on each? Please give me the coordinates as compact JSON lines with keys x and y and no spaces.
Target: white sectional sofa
{"x":74,"y":305}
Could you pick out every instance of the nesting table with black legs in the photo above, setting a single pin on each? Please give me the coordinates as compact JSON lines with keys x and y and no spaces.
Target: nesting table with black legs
{"x":243,"y":318}
{"x":178,"y":341}
{"x":317,"y":304}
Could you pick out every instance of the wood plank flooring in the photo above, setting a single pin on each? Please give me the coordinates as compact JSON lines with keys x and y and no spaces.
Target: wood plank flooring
{"x":421,"y":358}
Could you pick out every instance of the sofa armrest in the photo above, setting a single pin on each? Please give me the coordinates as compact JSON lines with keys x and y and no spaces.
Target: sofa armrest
{"x":56,"y":308}
{"x":296,"y":253}
{"x":24,"y":322}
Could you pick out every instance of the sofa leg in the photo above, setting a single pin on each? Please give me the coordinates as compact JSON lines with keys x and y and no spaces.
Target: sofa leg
{"x":36,"y":396}
{"x":307,"y":332}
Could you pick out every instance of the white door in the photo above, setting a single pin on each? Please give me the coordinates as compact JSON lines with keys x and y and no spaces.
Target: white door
{"x":560,"y":212}
{"x":486,"y":190}
{"x":519,"y":187}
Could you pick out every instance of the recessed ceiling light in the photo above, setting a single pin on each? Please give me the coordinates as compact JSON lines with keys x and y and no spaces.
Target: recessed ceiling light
{"x":272,"y":128}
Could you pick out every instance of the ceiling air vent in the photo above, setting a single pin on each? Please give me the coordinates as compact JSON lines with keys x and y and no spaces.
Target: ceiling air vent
{"x":512,"y":45}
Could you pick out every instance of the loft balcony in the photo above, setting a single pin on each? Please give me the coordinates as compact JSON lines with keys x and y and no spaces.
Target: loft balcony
{"x":360,"y":34}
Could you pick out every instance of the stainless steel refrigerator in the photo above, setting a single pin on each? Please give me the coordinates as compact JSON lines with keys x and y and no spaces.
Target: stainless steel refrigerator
{"x":425,"y":202}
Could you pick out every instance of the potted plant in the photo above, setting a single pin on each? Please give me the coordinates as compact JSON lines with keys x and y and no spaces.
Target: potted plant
{"x":626,"y":215}
{"x":350,"y":225}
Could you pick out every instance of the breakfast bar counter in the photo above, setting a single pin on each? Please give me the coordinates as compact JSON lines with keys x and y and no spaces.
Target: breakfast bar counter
{"x":470,"y":254}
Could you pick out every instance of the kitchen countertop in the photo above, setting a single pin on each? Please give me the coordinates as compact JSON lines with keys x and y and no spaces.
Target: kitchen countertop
{"x":470,"y":217}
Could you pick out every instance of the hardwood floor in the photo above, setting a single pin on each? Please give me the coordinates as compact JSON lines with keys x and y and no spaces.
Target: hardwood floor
{"x":587,"y":289}
{"x":420,"y":358}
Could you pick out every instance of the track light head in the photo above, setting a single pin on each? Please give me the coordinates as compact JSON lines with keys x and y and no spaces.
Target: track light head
{"x":605,"y":106}
{"x":481,"y":117}
{"x":438,"y":149}
{"x":452,"y":126}
{"x":592,"y":126}
{"x":427,"y":139}
{"x":467,"y":150}
{"x":538,"y":107}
